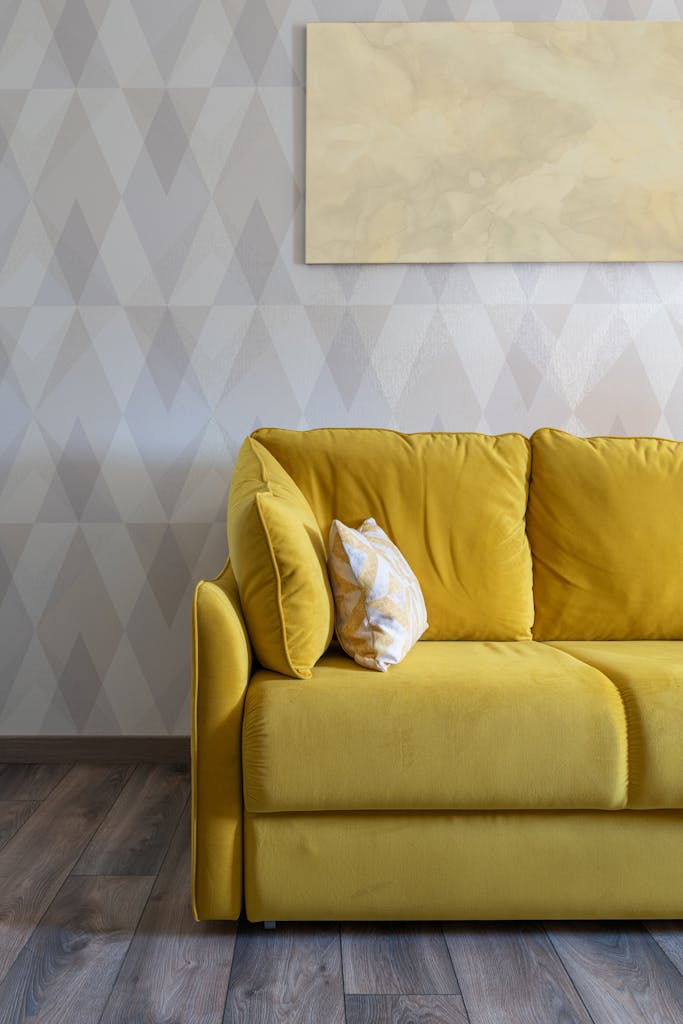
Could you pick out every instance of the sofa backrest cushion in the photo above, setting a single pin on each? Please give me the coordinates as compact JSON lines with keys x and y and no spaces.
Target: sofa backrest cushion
{"x":279,"y":559}
{"x":605,"y":524}
{"x":454,"y":504}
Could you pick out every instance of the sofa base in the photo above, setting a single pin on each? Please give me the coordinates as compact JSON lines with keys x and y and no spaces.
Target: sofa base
{"x":464,"y":866}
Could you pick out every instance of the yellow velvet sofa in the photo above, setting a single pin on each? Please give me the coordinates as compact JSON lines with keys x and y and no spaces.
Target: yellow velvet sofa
{"x":524,"y":761}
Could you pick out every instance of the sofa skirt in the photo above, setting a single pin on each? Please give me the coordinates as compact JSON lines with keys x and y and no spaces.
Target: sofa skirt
{"x":464,"y":865}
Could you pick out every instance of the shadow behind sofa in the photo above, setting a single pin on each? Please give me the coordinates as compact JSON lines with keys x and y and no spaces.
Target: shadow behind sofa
{"x":524,"y":761}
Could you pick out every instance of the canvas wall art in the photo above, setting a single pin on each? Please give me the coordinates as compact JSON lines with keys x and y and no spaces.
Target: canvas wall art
{"x":494,"y":141}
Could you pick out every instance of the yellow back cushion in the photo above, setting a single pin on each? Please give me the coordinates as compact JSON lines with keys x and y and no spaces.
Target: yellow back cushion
{"x":454,"y":504}
{"x":605,"y":524}
{"x":279,"y":559}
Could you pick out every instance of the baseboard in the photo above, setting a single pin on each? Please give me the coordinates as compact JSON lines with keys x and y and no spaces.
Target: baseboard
{"x":154,"y":749}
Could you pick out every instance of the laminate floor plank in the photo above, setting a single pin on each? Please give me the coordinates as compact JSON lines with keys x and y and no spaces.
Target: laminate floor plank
{"x":36,"y":860}
{"x":623,"y":975}
{"x":175,"y":969}
{"x":405,"y":1010}
{"x":134,"y":836}
{"x":96,"y":928}
{"x":30,"y":781}
{"x":13,"y":814}
{"x":396,"y":959}
{"x":66,"y":970}
{"x":292,"y":974}
{"x":509,"y":973}
{"x":669,"y":935}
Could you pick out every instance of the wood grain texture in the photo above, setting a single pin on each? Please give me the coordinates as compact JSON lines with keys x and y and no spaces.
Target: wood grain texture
{"x":35,"y":861}
{"x":66,"y":952}
{"x":396,"y":959}
{"x":30,"y":781}
{"x":669,"y":935}
{"x":291,"y":974}
{"x":512,"y":965}
{"x":175,"y":970}
{"x":405,"y":1010}
{"x":66,"y":970}
{"x":134,"y":836}
{"x":622,"y":974}
{"x":13,"y":814}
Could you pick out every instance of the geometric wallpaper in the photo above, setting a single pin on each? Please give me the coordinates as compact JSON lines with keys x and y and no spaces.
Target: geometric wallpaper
{"x":155,"y":308}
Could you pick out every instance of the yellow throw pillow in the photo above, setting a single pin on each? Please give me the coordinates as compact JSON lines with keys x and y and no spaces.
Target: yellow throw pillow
{"x":278,"y":556}
{"x":604,"y":523}
{"x":380,"y":610}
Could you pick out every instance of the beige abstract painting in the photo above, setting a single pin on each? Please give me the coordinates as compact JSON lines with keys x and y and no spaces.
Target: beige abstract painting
{"x":498,"y":141}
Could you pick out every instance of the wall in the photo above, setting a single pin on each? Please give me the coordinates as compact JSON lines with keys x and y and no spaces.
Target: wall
{"x":155,"y":308}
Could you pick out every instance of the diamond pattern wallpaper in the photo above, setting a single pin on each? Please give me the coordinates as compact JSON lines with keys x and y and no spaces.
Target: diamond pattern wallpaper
{"x":155,"y":308}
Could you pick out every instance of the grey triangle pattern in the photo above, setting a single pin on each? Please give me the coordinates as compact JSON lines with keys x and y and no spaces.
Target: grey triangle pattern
{"x":416,"y":287}
{"x":16,"y":633}
{"x":8,"y":13}
{"x":53,"y":72}
{"x":75,"y":35}
{"x":75,"y":254}
{"x":165,"y":34}
{"x":155,"y":308}
{"x":438,"y":382}
{"x":618,"y":10}
{"x":437,"y":10}
{"x":235,"y":289}
{"x":348,"y":275}
{"x":75,"y":683}
{"x":15,"y":198}
{"x":354,"y":10}
{"x":256,"y":33}
{"x":347,"y":359}
{"x":256,"y":250}
{"x":234,"y":70}
{"x":166,"y":142}
{"x":254,"y":345}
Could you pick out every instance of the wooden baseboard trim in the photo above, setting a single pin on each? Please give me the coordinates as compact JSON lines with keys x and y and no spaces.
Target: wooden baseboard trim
{"x":151,"y":749}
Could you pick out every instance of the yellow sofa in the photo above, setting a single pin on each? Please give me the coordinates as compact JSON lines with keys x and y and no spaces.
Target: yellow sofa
{"x":524,"y":761}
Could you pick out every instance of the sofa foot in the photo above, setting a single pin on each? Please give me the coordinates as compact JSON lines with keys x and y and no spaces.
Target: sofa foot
{"x":270,"y":925}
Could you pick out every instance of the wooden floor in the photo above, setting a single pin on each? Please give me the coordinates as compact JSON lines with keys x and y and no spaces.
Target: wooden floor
{"x":95,"y":926}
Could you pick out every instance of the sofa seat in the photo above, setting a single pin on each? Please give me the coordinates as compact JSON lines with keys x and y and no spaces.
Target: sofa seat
{"x":456,"y":726}
{"x":649,"y":677}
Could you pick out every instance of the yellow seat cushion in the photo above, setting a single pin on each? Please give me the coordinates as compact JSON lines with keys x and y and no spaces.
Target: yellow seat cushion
{"x":279,"y":559}
{"x":649,"y":676}
{"x":604,"y":523}
{"x":453,"y":504}
{"x":470,"y":725}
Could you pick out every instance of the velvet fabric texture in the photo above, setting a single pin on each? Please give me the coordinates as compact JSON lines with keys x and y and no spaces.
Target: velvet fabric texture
{"x":456,"y":725}
{"x":494,"y":777}
{"x":454,"y":505}
{"x":648,"y":676}
{"x":221,"y":667}
{"x":436,"y":865}
{"x":605,"y":525}
{"x":279,"y":559}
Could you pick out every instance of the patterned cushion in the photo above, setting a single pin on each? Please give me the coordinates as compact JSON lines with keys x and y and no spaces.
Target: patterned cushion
{"x":380,"y":610}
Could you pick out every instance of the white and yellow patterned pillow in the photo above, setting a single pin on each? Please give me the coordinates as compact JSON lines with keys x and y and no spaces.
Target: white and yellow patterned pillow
{"x":379,"y":608}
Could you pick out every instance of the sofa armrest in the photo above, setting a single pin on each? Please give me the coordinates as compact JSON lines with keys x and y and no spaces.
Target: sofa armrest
{"x":221,"y":667}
